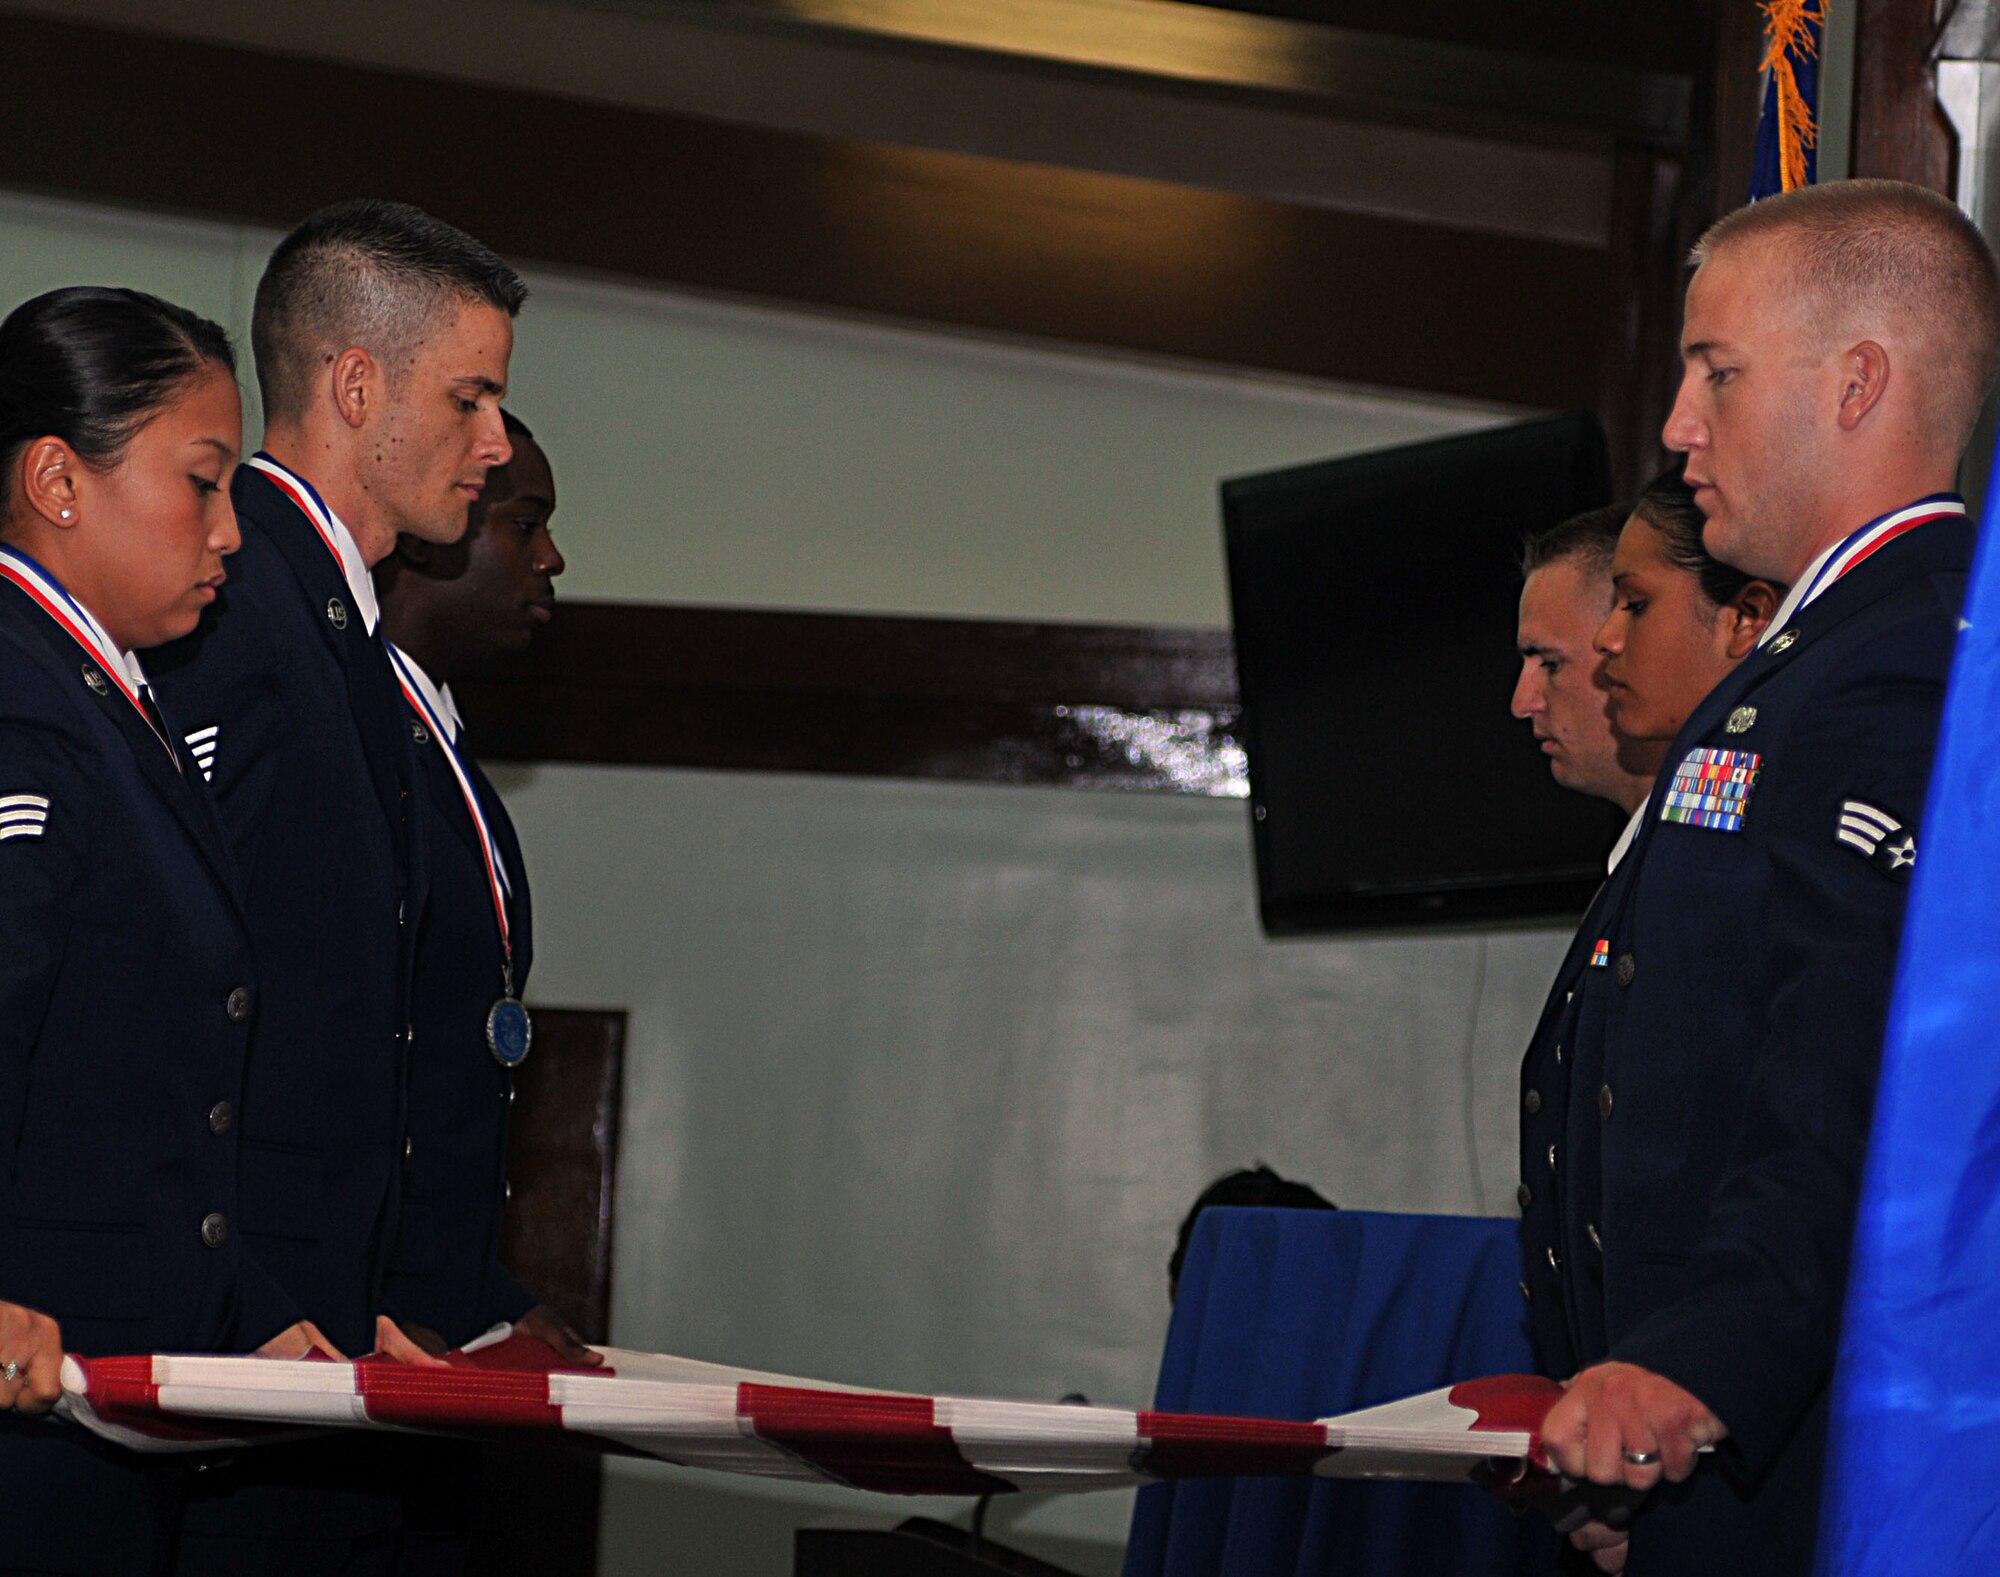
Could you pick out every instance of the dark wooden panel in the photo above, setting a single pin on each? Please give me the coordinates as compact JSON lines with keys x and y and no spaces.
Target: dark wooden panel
{"x":1106,"y":706}
{"x":902,"y":233}
{"x":1899,"y":131}
{"x":537,"y":1504}
{"x":1643,"y":37}
{"x":562,"y":1164}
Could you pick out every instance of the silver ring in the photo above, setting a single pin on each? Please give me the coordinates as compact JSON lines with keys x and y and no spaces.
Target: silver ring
{"x":10,"y":1371}
{"x":1642,"y":1458}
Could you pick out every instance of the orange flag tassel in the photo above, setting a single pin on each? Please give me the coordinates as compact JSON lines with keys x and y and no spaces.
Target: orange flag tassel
{"x":1788,"y":31}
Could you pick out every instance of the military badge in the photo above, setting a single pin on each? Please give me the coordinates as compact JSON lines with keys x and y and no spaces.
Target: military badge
{"x":1878,"y":836}
{"x":1740,"y":720}
{"x":23,"y":815}
{"x":201,"y":745}
{"x":1711,"y":788}
{"x":1784,"y":642}
{"x":1600,"y":955}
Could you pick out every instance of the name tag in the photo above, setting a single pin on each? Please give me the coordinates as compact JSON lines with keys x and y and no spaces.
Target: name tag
{"x":1711,"y":789}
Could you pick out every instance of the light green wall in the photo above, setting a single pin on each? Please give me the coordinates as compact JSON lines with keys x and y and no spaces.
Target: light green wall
{"x":708,"y":452}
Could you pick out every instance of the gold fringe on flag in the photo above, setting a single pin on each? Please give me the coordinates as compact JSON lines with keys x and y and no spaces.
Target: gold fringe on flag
{"x":1787,"y":26}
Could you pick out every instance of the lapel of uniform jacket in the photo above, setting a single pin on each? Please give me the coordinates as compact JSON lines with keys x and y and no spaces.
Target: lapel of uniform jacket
{"x":180,"y":786}
{"x":372,"y":697}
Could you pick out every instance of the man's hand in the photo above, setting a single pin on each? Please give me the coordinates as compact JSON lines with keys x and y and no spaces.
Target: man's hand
{"x":416,"y":1345}
{"x":1612,"y":1412}
{"x":1607,"y":1546}
{"x":31,"y":1347}
{"x":295,"y":1341}
{"x":545,"y":1325}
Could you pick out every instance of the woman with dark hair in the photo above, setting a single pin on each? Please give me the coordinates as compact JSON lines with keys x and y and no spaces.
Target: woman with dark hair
{"x":127,"y":993}
{"x":1679,"y":620}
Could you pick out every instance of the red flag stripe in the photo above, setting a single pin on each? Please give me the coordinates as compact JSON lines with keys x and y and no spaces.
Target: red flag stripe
{"x":870,"y":1441}
{"x":1180,"y":1445}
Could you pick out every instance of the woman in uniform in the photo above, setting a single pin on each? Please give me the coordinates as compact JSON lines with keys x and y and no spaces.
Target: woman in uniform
{"x":127,"y":991}
{"x":1679,"y":621}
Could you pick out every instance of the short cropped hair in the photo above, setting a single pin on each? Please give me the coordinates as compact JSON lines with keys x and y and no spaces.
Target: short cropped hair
{"x":1868,"y":252}
{"x":1589,"y":538}
{"x":1667,"y":504}
{"x":364,"y":273}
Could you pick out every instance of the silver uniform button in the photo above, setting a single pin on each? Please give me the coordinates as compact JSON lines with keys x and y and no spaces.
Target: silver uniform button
{"x":336,"y":613}
{"x":1552,"y":1158}
{"x":1532,"y":1101}
{"x":220,"y":1116}
{"x":1626,"y":967}
{"x":1555,"y":1259}
{"x":236,"y":1006}
{"x":1604,"y":1102}
{"x":215,"y":1229}
{"x":1524,"y":1196}
{"x":1596,"y":1242}
{"x":1526,"y":1295}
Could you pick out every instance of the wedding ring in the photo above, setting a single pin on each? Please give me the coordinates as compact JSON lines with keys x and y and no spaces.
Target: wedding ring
{"x":10,"y":1371}
{"x":1642,"y":1458}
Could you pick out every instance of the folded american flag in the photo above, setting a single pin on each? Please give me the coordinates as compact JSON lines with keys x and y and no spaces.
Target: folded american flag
{"x":740,"y":1421}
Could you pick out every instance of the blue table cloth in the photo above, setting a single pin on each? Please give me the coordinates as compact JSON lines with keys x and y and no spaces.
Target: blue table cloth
{"x":1305,"y":1313}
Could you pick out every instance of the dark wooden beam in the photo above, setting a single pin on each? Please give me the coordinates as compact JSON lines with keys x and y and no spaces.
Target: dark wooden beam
{"x":1096,"y":706}
{"x":899,"y":233}
{"x":1642,"y":37}
{"x":1899,"y":130}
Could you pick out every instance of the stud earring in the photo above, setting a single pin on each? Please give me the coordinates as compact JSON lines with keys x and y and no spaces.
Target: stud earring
{"x":67,"y":514}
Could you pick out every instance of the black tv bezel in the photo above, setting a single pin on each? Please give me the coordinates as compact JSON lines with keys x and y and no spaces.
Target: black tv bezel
{"x":1541,"y":896}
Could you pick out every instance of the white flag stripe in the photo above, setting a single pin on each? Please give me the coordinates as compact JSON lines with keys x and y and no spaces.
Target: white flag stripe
{"x":1867,"y":846}
{"x":34,"y":831}
{"x":12,"y":801}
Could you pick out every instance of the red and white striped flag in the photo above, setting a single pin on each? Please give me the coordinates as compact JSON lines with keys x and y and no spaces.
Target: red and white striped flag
{"x":775,"y":1426}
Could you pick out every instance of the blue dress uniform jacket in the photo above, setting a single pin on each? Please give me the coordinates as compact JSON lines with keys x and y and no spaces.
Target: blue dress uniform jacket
{"x":313,"y":772}
{"x":127,"y":997}
{"x":312,"y":768}
{"x":1719,"y":1098}
{"x":445,"y":1271}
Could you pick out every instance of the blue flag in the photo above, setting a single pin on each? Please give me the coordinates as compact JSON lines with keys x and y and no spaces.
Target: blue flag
{"x":1915,"y":1430}
{"x":1791,"y":99}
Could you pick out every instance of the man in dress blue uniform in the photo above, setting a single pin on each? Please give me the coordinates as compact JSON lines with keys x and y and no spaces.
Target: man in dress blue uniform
{"x":1565,"y":594}
{"x":450,"y":612}
{"x":1838,"y":342}
{"x":382,"y":337}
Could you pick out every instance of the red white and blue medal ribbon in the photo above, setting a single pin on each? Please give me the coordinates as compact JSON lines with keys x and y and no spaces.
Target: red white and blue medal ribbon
{"x":303,"y":494}
{"x":1870,"y":539}
{"x":508,"y":1031}
{"x":53,"y":598}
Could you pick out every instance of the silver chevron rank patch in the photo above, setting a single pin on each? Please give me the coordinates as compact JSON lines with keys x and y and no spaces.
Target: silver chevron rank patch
{"x":1878,"y":836}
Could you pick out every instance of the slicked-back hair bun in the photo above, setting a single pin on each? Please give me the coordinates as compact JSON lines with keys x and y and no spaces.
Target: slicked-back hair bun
{"x":92,"y":364}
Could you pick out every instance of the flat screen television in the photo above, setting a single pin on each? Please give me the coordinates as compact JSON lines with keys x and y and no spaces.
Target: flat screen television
{"x":1374,"y":600}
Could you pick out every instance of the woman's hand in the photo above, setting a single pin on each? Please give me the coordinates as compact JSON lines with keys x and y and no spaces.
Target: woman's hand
{"x":31,"y":1356}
